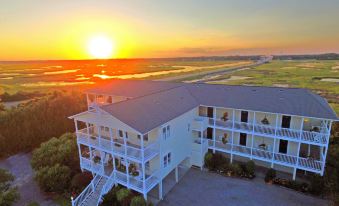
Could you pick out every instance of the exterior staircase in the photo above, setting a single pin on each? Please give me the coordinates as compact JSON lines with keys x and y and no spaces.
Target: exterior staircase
{"x":92,"y":194}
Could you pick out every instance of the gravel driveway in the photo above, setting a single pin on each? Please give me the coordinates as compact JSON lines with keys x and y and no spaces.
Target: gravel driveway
{"x":19,"y":165}
{"x":205,"y":188}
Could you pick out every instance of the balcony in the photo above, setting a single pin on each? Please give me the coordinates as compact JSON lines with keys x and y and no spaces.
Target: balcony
{"x":308,"y":164}
{"x":307,"y":137}
{"x":135,"y":183}
{"x":117,"y":146}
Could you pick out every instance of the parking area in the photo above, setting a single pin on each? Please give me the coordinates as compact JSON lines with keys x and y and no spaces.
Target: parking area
{"x":205,"y":188}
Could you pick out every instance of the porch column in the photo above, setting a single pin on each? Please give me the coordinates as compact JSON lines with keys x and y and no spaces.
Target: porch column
{"x":233,"y":119}
{"x":145,"y":196}
{"x":214,"y":116}
{"x":201,"y":147}
{"x":326,"y":148}
{"x":99,"y":135}
{"x":88,"y":134}
{"x":160,"y":190}
{"x":253,"y":125}
{"x":143,"y":165}
{"x":126,"y":161}
{"x":176,"y":174}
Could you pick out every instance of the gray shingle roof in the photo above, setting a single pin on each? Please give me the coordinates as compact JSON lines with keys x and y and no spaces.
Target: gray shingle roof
{"x":148,"y":112}
{"x":155,"y":103}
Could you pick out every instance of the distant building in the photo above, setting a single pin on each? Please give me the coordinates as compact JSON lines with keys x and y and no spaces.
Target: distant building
{"x":136,"y":133}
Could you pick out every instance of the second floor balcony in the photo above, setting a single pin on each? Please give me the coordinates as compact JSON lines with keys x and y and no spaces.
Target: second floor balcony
{"x":118,"y":146}
{"x":314,"y":137}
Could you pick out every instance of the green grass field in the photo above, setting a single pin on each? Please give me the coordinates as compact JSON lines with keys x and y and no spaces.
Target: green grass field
{"x":308,"y":74}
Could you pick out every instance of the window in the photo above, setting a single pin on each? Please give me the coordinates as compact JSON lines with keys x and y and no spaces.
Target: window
{"x":243,"y":139}
{"x":145,"y":137}
{"x":121,"y":134}
{"x":167,"y":159}
{"x":164,"y":132}
{"x":147,"y":165}
{"x":189,"y":127}
{"x":107,"y":129}
{"x":168,"y":131}
{"x":126,"y":134}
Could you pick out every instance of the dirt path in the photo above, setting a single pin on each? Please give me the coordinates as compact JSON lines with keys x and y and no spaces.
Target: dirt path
{"x":19,"y":165}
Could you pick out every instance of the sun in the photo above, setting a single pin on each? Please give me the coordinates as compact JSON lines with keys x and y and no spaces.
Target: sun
{"x":101,"y":47}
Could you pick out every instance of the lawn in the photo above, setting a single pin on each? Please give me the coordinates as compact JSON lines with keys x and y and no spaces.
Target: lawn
{"x":321,"y":77}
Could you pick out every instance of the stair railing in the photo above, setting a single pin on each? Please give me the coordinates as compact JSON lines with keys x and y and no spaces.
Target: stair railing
{"x":86,"y":192}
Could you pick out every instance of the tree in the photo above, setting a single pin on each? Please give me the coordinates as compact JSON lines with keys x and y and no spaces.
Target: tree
{"x":54,"y":179}
{"x":56,"y":162}
{"x":62,"y":150}
{"x":8,"y":194}
{"x":28,"y":125}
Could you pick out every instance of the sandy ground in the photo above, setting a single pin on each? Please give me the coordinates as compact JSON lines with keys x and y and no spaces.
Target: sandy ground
{"x":19,"y":165}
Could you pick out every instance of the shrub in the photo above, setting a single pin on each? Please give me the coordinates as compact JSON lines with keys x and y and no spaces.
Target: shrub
{"x":123,"y":196}
{"x":33,"y":204}
{"x":214,"y":162}
{"x":270,"y":175}
{"x":208,"y":159}
{"x":8,"y":194}
{"x":53,"y":179}
{"x":236,"y":169}
{"x":80,"y":181}
{"x":138,"y":201}
{"x":110,"y":199}
{"x":249,"y":168}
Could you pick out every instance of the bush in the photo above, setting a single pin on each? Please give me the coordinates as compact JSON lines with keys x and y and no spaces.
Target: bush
{"x":214,"y":162}
{"x":123,"y":196}
{"x":236,"y":169}
{"x":110,"y":199}
{"x":54,"y":179}
{"x":8,"y":194}
{"x":270,"y":175}
{"x":249,"y":168}
{"x":138,"y":201}
{"x":80,"y":181}
{"x":33,"y":204}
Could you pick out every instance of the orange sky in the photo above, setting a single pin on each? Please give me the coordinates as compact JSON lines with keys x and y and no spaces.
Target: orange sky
{"x":62,"y":29}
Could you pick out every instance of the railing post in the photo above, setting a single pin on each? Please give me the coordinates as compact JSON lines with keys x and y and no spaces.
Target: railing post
{"x":72,"y":200}
{"x":88,"y":134}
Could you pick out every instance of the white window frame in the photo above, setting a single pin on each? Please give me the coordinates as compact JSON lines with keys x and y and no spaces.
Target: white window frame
{"x":167,"y":159}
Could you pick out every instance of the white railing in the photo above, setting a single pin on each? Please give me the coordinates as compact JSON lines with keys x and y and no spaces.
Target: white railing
{"x":271,"y":131}
{"x":86,"y":192}
{"x":119,"y":148}
{"x":266,"y":155}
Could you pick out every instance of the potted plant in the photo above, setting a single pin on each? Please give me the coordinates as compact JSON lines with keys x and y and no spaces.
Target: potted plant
{"x":96,"y":159}
{"x":225,"y":117}
{"x":224,"y":139}
{"x":265,"y":121}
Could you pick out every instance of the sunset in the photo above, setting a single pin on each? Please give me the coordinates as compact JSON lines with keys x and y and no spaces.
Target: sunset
{"x":169,"y":103}
{"x":60,"y":30}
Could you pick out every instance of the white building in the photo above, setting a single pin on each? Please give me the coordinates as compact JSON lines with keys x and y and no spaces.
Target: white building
{"x":135,"y":133}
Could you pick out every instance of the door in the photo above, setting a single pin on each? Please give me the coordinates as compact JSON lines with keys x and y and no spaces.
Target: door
{"x":244,"y":116}
{"x":283,"y":146}
{"x":286,"y":121}
{"x":209,"y":133}
{"x":210,"y":112}
{"x":243,"y":139}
